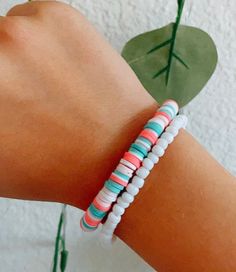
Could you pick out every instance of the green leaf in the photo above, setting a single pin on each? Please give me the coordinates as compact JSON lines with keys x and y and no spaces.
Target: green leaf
{"x":194,"y":61}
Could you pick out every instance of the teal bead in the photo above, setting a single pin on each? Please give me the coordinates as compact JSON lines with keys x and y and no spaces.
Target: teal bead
{"x":123,"y":176}
{"x":115,"y":184}
{"x":140,"y":149}
{"x":112,"y":188}
{"x":172,"y":108}
{"x":154,"y":126}
{"x":87,"y":226}
{"x":97,"y":213}
{"x":134,"y":150}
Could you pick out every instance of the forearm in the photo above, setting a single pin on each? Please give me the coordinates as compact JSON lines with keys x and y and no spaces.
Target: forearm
{"x":184,"y":218}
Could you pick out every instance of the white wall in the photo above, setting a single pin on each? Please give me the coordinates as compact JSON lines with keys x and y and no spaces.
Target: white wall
{"x":27,"y":229}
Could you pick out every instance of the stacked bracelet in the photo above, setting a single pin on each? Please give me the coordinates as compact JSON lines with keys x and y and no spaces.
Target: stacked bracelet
{"x":137,"y":182}
{"x":133,"y":160}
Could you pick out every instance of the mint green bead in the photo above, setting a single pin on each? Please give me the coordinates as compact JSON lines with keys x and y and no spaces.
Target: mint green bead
{"x":155,"y":126}
{"x":123,"y":176}
{"x":112,"y":188}
{"x":140,"y":149}
{"x":97,"y":213}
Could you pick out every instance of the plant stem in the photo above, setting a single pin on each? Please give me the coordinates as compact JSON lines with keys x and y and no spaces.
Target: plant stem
{"x":173,"y":37}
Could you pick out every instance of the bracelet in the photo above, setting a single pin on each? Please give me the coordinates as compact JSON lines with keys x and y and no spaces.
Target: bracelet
{"x":138,"y":181}
{"x":132,"y":161}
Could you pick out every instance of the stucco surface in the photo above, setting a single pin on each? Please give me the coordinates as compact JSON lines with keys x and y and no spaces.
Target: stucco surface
{"x":27,"y":229}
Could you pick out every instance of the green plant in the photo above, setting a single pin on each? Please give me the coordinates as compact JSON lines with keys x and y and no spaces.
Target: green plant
{"x":175,"y":61}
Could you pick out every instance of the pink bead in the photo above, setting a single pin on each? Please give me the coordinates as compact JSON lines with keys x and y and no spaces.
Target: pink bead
{"x":90,"y":221}
{"x":133,"y":159}
{"x":118,"y":180}
{"x":128,"y":164}
{"x":102,"y":206}
{"x":163,"y":114}
{"x":149,"y":134}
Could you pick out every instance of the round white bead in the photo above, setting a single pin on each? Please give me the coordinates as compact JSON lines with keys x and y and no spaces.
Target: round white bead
{"x":138,"y":182}
{"x":153,"y":157}
{"x":132,"y":189}
{"x":168,"y":137}
{"x":185,"y":120}
{"x":118,"y":210}
{"x":113,"y":218}
{"x":148,"y":163}
{"x":162,"y":143}
{"x":109,"y":225}
{"x":159,"y":151}
{"x":172,"y":130}
{"x":127,"y":197}
{"x":122,"y":203}
{"x":142,"y":172}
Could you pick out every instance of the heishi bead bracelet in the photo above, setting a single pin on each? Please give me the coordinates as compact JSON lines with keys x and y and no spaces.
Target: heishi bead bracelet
{"x":138,"y":160}
{"x":137,"y":182}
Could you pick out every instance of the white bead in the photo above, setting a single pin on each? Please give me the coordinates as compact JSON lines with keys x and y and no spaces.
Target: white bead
{"x":168,"y":137}
{"x":177,"y":122}
{"x":138,"y":182}
{"x":172,"y":130}
{"x":109,"y":193}
{"x":128,"y":164}
{"x":162,"y":143}
{"x":164,"y":119}
{"x":118,"y":210}
{"x":106,"y":198}
{"x":148,"y":163}
{"x":113,"y":218}
{"x":153,"y":157}
{"x":122,"y":203}
{"x":127,"y":197}
{"x":185,"y":120}
{"x":142,"y":172}
{"x":124,"y":170}
{"x":109,"y":225}
{"x":159,"y":151}
{"x":132,"y":189}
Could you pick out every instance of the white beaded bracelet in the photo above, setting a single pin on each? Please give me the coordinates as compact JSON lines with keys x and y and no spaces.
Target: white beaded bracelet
{"x":137,"y":182}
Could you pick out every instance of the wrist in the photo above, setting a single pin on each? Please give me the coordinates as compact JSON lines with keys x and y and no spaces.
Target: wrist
{"x":111,"y":141}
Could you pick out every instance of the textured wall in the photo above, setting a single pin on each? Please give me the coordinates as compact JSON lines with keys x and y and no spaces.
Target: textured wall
{"x":27,"y":229}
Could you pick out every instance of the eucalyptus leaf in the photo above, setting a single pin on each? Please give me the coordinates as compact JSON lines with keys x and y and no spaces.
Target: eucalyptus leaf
{"x":193,"y":61}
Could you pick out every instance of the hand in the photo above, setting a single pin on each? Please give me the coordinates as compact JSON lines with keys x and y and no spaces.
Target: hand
{"x":69,"y":105}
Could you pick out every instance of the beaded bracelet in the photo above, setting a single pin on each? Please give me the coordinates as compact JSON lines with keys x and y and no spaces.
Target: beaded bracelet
{"x":132,"y":161}
{"x":137,"y":182}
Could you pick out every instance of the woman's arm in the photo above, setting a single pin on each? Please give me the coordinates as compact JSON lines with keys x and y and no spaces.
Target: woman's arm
{"x":69,"y":108}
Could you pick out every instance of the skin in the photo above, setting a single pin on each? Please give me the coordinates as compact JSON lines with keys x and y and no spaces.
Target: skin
{"x":69,"y":108}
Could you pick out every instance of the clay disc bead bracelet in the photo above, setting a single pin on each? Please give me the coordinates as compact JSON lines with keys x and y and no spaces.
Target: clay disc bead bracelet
{"x":138,"y":181}
{"x":137,"y":160}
